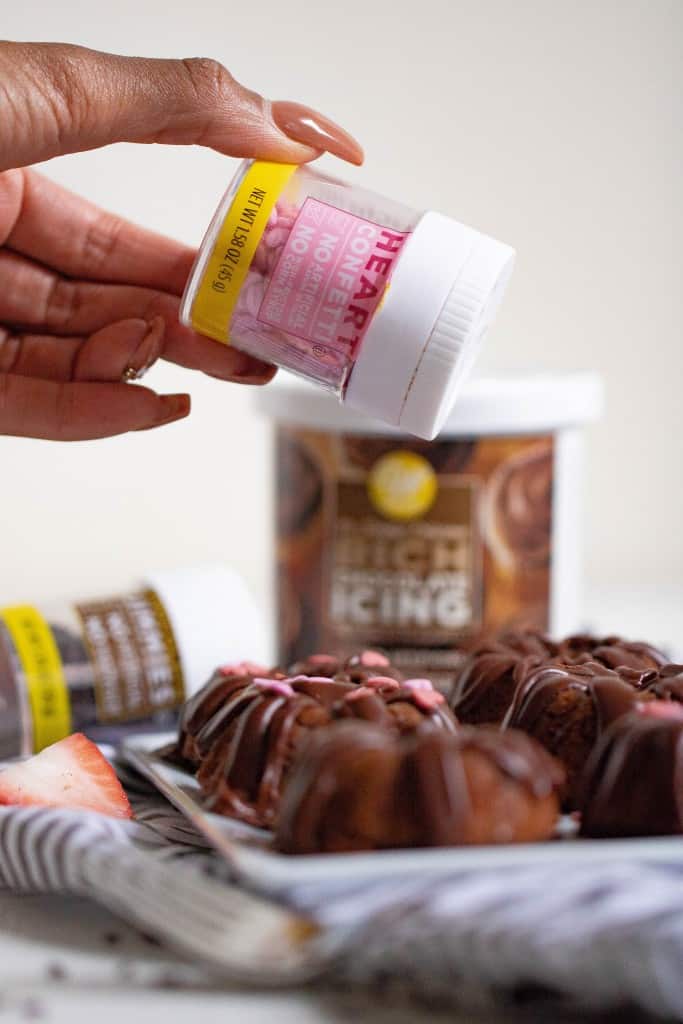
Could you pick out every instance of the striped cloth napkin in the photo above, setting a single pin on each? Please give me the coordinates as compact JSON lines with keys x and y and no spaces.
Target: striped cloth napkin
{"x":595,"y":937}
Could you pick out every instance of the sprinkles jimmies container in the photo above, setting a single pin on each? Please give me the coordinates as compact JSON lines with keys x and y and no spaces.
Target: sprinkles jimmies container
{"x":381,"y":304}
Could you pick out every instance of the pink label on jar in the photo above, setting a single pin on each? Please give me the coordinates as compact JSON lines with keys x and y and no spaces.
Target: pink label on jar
{"x":331,"y":276}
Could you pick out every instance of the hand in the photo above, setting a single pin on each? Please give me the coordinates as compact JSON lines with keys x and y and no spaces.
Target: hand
{"x":84,"y":295}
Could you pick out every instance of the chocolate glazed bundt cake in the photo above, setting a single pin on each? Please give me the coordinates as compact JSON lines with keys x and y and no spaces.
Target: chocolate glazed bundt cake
{"x":195,"y":712}
{"x":633,"y":782}
{"x":232,"y":679}
{"x":487,"y":681}
{"x":243,"y":731}
{"x":357,"y":786}
{"x":247,"y":747}
{"x":566,"y":708}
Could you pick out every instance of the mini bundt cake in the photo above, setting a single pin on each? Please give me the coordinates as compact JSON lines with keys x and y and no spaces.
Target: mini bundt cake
{"x":195,"y":712}
{"x":485,"y":684}
{"x":357,"y":786}
{"x":633,"y":782}
{"x":566,"y":708}
{"x":247,"y":747}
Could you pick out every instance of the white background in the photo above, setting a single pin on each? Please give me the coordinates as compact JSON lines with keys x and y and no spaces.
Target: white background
{"x":553,"y":126}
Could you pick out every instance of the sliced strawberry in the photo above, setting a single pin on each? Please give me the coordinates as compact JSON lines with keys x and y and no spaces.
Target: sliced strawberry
{"x":71,"y":773}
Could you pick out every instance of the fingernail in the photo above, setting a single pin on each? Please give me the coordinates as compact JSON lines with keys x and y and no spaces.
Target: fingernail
{"x":150,"y":348}
{"x":245,"y":369}
{"x":313,"y":129}
{"x":174,"y":407}
{"x":264,"y":377}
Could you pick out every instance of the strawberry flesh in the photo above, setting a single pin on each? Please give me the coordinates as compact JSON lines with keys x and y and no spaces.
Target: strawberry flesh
{"x":71,"y":773}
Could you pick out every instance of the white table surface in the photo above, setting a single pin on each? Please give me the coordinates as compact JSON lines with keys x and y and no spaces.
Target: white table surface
{"x":67,"y":960}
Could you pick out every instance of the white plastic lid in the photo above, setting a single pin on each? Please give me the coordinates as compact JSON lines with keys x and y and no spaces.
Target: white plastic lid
{"x":423,"y":340}
{"x":511,"y":403}
{"x":214,"y":619}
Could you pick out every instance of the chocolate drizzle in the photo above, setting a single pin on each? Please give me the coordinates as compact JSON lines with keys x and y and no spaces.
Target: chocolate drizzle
{"x":491,"y":675}
{"x":610,"y":694}
{"x":633,"y":783}
{"x":355,"y":669}
{"x":247,"y":747}
{"x":401,"y":710}
{"x":197,"y":711}
{"x":611,"y":651}
{"x":486,"y":685}
{"x":567,"y":708}
{"x":432,"y":785}
{"x":667,"y":684}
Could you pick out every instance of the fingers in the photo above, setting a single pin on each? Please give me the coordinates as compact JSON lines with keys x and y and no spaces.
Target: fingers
{"x":59,"y":411}
{"x":34,"y":299}
{"x":62,"y":99}
{"x":131,"y":346}
{"x":48,"y":223}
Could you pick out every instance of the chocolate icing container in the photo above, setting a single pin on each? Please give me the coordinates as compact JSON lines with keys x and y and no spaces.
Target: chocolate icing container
{"x":417,"y":547}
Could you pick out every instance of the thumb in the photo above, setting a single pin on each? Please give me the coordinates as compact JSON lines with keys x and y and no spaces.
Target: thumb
{"x":64,"y":99}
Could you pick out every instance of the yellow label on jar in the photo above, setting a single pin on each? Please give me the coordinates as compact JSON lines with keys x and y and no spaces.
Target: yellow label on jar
{"x":234,"y":248}
{"x":42,"y":667}
{"x":402,"y":485}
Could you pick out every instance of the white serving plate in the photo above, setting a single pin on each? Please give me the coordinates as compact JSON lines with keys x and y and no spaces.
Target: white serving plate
{"x":249,"y":850}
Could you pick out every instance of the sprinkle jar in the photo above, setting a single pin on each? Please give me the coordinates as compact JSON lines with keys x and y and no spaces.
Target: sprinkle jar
{"x":381,"y":304}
